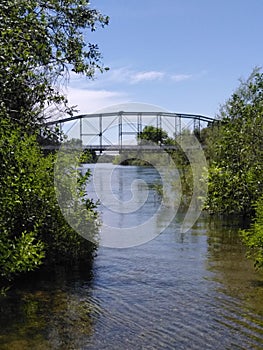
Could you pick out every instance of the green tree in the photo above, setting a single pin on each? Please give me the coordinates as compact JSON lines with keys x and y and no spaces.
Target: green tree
{"x":235,"y":179}
{"x":32,"y":228}
{"x":253,"y":237}
{"x":40,"y":42}
{"x":152,"y":134}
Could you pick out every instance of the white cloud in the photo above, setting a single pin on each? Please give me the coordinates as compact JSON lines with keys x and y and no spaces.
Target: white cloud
{"x":147,"y":76}
{"x":89,"y":101}
{"x":119,"y":75}
{"x":181,"y":77}
{"x":126,"y":75}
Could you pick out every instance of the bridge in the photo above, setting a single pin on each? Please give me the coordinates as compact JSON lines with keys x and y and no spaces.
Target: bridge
{"x":117,"y":131}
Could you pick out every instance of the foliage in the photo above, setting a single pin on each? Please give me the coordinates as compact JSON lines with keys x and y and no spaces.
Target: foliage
{"x":140,"y":158}
{"x":33,"y":230}
{"x":88,"y":157}
{"x":253,"y":237}
{"x":70,"y":182}
{"x":207,"y":137}
{"x":153,"y":134}
{"x":40,"y":41}
{"x":21,"y":254}
{"x":235,"y":148}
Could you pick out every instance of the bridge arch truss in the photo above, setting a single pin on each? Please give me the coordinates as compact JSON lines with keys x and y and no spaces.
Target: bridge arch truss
{"x":106,"y":130}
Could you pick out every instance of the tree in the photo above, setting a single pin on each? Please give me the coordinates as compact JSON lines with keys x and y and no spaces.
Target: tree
{"x":236,"y":165}
{"x":235,"y":180}
{"x":253,"y":237}
{"x":33,"y":230}
{"x":152,"y":134}
{"x":40,"y":42}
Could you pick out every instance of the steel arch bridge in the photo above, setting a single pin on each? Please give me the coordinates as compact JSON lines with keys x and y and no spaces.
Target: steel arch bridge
{"x":114,"y":130}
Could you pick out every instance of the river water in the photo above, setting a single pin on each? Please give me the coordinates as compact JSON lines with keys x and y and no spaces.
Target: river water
{"x":193,"y":290}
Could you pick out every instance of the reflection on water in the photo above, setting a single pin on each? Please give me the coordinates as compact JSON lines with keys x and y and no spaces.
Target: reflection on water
{"x":132,"y":213}
{"x":179,"y":291}
{"x":236,"y":275}
{"x":49,"y":312}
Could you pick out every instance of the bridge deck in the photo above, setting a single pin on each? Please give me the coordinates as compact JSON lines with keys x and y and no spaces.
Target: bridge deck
{"x":123,"y":148}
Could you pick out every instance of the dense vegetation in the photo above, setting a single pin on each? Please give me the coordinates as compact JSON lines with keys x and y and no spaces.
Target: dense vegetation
{"x":40,"y":42}
{"x":234,"y":147}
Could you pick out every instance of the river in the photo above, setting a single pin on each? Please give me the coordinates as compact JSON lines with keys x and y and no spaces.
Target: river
{"x":193,"y":290}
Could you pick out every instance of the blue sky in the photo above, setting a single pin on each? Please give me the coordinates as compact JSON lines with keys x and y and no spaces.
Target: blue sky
{"x":182,"y":55}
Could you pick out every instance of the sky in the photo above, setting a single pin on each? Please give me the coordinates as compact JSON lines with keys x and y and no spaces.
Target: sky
{"x":185,"y":56}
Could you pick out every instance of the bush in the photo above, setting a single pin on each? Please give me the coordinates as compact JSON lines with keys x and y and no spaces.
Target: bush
{"x":33,"y":229}
{"x":253,"y":237}
{"x":235,"y":150}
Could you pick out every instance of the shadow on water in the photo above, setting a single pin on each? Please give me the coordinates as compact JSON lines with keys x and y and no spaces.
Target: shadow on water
{"x":227,"y":259}
{"x":48,"y":310}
